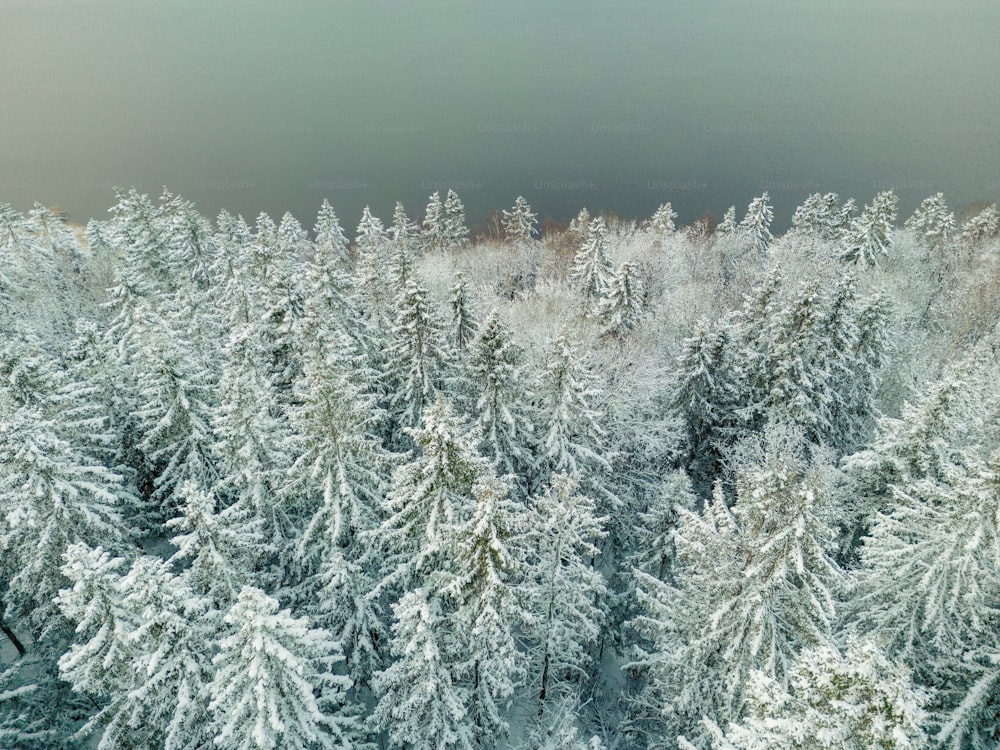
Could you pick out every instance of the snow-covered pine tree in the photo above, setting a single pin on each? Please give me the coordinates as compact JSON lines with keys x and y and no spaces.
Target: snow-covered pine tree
{"x":592,"y":267}
{"x":463,"y":321}
{"x":933,"y":226}
{"x":430,"y":496}
{"x":420,"y":706}
{"x":214,"y":549}
{"x":292,"y":238}
{"x":416,"y":355}
{"x":821,"y":216}
{"x":934,"y":437}
{"x":755,"y":228}
{"x":857,"y":701}
{"x":99,"y":660}
{"x":564,"y":589}
{"x":341,"y":467}
{"x":932,"y":223}
{"x":868,"y":236}
{"x":330,"y":246}
{"x":456,"y":234}
{"x":856,"y":335}
{"x":574,"y":439}
{"x":620,"y":308}
{"x":487,"y":565}
{"x":519,"y":224}
{"x":810,"y":355}
{"x":702,"y":395}
{"x":433,"y":227}
{"x":238,"y":296}
{"x":20,"y":706}
{"x":371,"y":246}
{"x":193,"y":261}
{"x":727,"y":227}
{"x":275,"y":271}
{"x":930,"y":585}
{"x":579,"y":226}
{"x":162,"y":703}
{"x":273,"y":686}
{"x":250,"y":440}
{"x":344,"y":603}
{"x":753,"y":586}
{"x":797,"y":373}
{"x":176,"y":399}
{"x":983,"y":226}
{"x":136,"y":230}
{"x":502,"y":408}
{"x":662,"y":223}
{"x":331,"y":307}
{"x":656,"y":553}
{"x":404,"y":238}
{"x":53,"y":495}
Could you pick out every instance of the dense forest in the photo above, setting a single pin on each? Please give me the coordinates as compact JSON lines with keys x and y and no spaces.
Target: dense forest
{"x":624,"y":485}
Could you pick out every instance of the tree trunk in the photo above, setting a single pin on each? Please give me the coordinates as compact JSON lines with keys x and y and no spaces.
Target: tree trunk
{"x":11,"y":636}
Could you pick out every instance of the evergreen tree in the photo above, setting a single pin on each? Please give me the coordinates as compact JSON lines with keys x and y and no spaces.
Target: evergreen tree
{"x":330,"y":247}
{"x":853,"y":702}
{"x":99,"y":661}
{"x":429,"y":496}
{"x":463,"y":322}
{"x":273,"y":681}
{"x":371,"y":248}
{"x":434,"y":225}
{"x":250,"y":439}
{"x":727,"y":227}
{"x":662,"y":223}
{"x":755,"y":229}
{"x":868,"y":236}
{"x":502,"y":416}
{"x":519,"y":224}
{"x":821,"y":216}
{"x":416,"y":355}
{"x":703,"y":393}
{"x":754,"y":586}
{"x":564,"y":589}
{"x":579,"y":227}
{"x":341,"y":466}
{"x":347,"y":603}
{"x":983,"y":226}
{"x":574,"y":441}
{"x":192,"y":261}
{"x":487,"y":566}
{"x":161,"y":703}
{"x":420,"y":706}
{"x":174,"y":414}
{"x":930,"y":589}
{"x":53,"y":495}
{"x":275,"y":273}
{"x":331,"y":307}
{"x":20,"y":724}
{"x":620,"y":306}
{"x":404,"y":244}
{"x":656,"y":554}
{"x":932,"y":223}
{"x":592,"y":268}
{"x":456,"y":234}
{"x":933,"y":226}
{"x":217,"y":549}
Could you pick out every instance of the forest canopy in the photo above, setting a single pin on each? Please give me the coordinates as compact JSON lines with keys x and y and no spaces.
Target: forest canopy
{"x":627,"y":485}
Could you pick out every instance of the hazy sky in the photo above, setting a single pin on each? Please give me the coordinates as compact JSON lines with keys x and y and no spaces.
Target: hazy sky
{"x":255,"y":106}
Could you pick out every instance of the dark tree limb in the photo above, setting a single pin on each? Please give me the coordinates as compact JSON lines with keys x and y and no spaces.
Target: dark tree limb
{"x":11,"y":635}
